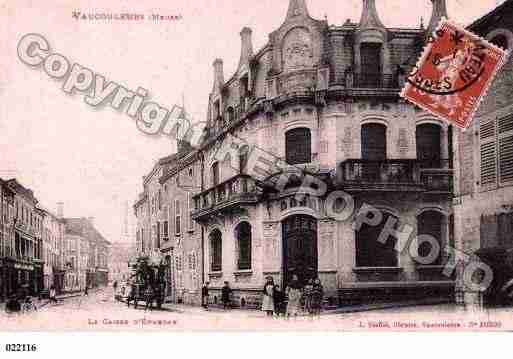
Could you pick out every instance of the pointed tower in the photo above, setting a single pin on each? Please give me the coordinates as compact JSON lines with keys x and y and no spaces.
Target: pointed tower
{"x":439,"y":11}
{"x":218,"y":75}
{"x":371,"y":51}
{"x":246,"y":46}
{"x":297,"y":8}
{"x":370,"y":18}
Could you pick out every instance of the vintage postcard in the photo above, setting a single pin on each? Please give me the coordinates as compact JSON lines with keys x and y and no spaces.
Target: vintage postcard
{"x":289,"y":165}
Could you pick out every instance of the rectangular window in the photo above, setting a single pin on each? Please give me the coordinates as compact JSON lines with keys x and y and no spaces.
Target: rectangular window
{"x":178,"y":219}
{"x":165,"y":230}
{"x":157,"y":243}
{"x":190,"y":208}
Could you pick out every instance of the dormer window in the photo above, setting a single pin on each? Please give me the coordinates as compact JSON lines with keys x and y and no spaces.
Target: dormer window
{"x":371,"y":68}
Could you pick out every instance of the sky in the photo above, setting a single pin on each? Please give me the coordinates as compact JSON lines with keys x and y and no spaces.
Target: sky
{"x":93,"y":159}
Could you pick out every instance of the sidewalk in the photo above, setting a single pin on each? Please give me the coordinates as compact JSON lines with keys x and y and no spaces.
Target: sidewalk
{"x":183,"y":308}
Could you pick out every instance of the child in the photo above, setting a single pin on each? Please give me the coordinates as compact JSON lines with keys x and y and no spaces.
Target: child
{"x":308,"y":292}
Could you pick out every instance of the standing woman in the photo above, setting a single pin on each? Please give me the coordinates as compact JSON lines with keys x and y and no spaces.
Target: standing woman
{"x":268,"y":302}
{"x":294,"y":294}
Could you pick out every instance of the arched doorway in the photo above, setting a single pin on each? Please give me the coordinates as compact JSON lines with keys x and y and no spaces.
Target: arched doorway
{"x":299,"y":233}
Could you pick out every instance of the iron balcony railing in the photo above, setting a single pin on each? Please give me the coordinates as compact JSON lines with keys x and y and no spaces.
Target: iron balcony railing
{"x":237,"y":187}
{"x":369,"y":80}
{"x":386,"y":171}
{"x":432,"y":176}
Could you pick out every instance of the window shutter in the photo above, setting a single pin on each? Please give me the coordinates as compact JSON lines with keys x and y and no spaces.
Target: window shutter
{"x":505,"y":125}
{"x":488,"y":153}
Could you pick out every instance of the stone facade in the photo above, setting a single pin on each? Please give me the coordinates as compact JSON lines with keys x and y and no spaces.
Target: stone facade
{"x":321,"y":102}
{"x":86,"y":254}
{"x":53,"y":233}
{"x":484,"y":169}
{"x":320,"y":79}
{"x":165,"y":229}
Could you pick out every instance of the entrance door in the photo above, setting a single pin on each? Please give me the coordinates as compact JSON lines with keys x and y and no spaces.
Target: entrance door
{"x":299,"y":248}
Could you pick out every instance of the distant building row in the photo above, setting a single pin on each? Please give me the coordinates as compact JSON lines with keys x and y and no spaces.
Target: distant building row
{"x":40,"y":249}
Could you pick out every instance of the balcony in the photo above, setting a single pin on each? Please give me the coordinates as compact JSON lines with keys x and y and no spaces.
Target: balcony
{"x":372,"y":84}
{"x":380,"y":81}
{"x":395,"y":176}
{"x":437,"y":176}
{"x":387,"y":175}
{"x":236,"y":191}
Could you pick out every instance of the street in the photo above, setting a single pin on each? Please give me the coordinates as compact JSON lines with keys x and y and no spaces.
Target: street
{"x":100,"y":311}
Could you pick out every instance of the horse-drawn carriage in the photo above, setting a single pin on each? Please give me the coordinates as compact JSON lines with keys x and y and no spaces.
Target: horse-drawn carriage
{"x":146,"y":284}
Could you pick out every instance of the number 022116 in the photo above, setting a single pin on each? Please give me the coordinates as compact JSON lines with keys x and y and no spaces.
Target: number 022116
{"x":20,"y":347}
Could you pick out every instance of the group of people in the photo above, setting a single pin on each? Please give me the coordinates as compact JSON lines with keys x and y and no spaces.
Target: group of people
{"x":226,"y":293}
{"x":295,"y":297}
{"x":290,"y":302}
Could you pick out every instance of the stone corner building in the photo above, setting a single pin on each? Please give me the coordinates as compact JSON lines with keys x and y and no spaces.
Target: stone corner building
{"x":483,"y":203}
{"x":324,"y":98}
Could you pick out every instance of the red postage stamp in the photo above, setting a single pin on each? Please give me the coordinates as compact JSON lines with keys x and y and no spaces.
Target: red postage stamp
{"x":453,"y":74}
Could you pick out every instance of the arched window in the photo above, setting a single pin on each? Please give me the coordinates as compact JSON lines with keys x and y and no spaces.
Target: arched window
{"x":370,"y":252}
{"x":298,"y":146}
{"x":431,"y":223}
{"x":429,"y":145}
{"x":215,"y":174}
{"x":243,"y":158}
{"x":216,"y":250}
{"x":243,"y":237}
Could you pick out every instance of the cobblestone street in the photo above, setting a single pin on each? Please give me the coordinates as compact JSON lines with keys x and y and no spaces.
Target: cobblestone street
{"x":100,"y":311}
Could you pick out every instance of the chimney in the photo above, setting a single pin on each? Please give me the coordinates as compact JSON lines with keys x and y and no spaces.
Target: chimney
{"x":218,"y":73}
{"x":60,"y":210}
{"x":370,"y":18}
{"x":439,"y":11}
{"x":246,"y":48}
